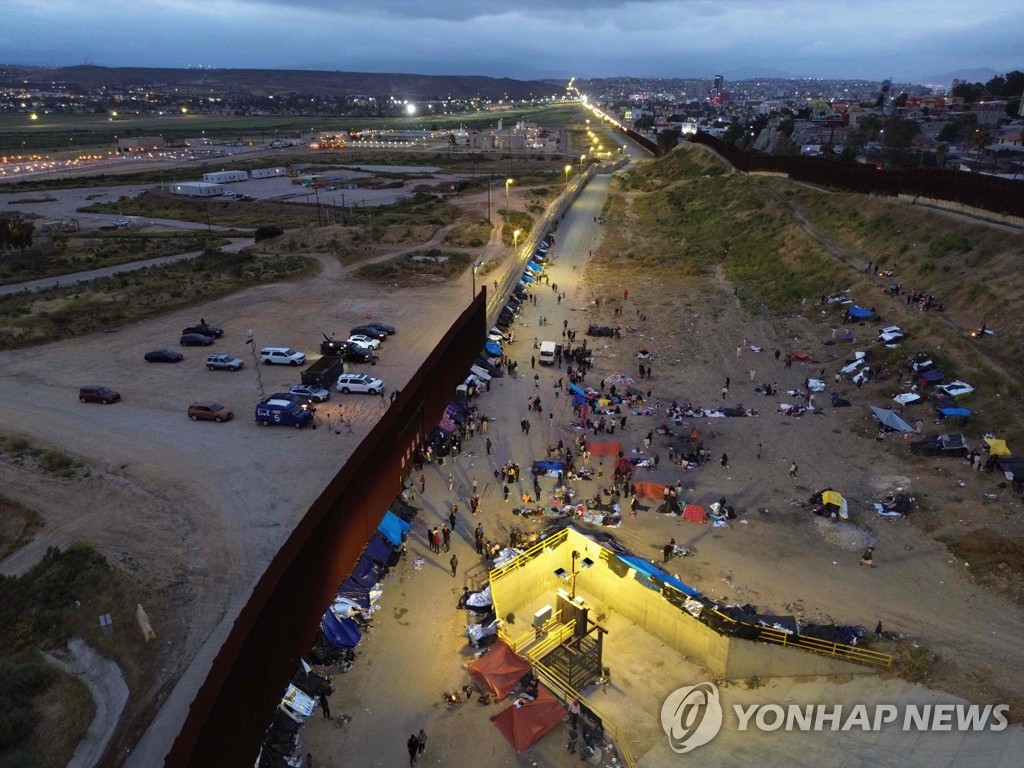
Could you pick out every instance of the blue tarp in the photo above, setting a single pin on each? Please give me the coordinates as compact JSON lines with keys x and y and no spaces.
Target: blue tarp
{"x":379,"y":551}
{"x":528,"y":278}
{"x":575,"y":389}
{"x":492,"y":349}
{"x":533,"y":267}
{"x":548,"y":468}
{"x":934,"y":376}
{"x":341,"y":633}
{"x":962,"y":413}
{"x":366,"y":572}
{"x":392,"y":527}
{"x":856,"y":311}
{"x":355,"y":591}
{"x":652,"y":571}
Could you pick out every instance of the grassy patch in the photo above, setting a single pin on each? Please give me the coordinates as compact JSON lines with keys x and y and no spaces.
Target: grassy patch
{"x":65,"y":710}
{"x":513,"y":221}
{"x":993,"y":558}
{"x":913,"y":661}
{"x":472,"y":235}
{"x":17,"y":524}
{"x":67,"y":311}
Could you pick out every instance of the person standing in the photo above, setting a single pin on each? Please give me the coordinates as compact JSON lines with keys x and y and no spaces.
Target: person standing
{"x":669,"y":549}
{"x":759,"y":450}
{"x":325,"y":706}
{"x":455,"y":565}
{"x":792,"y":469}
{"x":413,"y":745}
{"x":446,"y":537}
{"x":423,"y":484}
{"x":505,"y":491}
{"x":725,"y":460}
{"x":574,"y":712}
{"x":488,"y":445}
{"x":421,"y":740}
{"x":451,"y":481}
{"x":533,"y":361}
{"x":309,"y":760}
{"x":452,"y":516}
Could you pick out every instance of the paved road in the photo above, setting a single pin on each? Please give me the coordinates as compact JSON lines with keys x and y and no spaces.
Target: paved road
{"x":235,"y":245}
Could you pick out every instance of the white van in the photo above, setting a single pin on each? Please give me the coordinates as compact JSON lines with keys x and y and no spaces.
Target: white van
{"x":547,"y":353}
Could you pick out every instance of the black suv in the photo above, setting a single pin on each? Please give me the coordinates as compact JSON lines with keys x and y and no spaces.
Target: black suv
{"x":368,"y":330}
{"x":205,"y":329}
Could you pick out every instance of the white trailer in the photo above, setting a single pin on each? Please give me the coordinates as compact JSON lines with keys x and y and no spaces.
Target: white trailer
{"x":225,"y":177}
{"x":267,"y":173}
{"x":196,"y":189}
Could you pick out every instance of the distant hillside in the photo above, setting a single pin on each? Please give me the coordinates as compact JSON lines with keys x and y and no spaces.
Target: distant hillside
{"x":267,"y":82}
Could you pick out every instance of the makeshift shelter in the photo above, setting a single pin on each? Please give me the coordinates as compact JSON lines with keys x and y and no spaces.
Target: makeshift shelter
{"x":341,"y":633}
{"x":527,"y":722}
{"x":528,"y":277}
{"x":845,"y":335}
{"x":392,"y":528}
{"x":532,"y":267}
{"x":604,"y":449}
{"x":930,"y":377}
{"x":548,"y":468}
{"x":829,"y":503}
{"x":891,"y":421}
{"x":492,"y":349}
{"x":623,"y":467}
{"x":800,"y":357}
{"x":498,"y":670}
{"x":859,"y":313}
{"x":649,"y":490}
{"x":954,"y":414}
{"x":695,"y":514}
{"x":379,"y":551}
{"x":997,"y":447}
{"x":651,"y":572}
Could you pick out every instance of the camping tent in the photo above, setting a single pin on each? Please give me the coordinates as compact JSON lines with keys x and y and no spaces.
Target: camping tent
{"x":623,"y":467}
{"x":527,"y":722}
{"x":890,"y":420}
{"x":800,"y":357}
{"x":498,"y":670}
{"x":997,"y":447}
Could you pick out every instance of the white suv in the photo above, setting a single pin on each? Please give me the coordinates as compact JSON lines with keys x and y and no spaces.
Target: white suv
{"x":359,"y":382}
{"x":281,"y":356}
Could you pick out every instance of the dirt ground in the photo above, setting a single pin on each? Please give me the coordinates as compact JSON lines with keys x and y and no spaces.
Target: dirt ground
{"x":201,"y":508}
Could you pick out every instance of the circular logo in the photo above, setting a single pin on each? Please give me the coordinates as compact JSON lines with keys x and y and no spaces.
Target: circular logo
{"x":691,"y":716}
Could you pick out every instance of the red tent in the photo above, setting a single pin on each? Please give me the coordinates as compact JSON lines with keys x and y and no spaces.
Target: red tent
{"x":604,"y":449}
{"x":800,"y":357}
{"x":649,"y":490}
{"x":695,"y":514}
{"x":525,"y":725}
{"x":623,"y":467}
{"x":498,"y":670}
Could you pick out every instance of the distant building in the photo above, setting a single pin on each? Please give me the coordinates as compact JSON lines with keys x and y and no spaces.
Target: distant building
{"x":225,"y":177}
{"x":140,"y":144}
{"x":267,"y":173}
{"x":196,"y":189}
{"x":719,"y":85}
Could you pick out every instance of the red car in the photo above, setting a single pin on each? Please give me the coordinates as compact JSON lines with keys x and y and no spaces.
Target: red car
{"x":207,"y":410}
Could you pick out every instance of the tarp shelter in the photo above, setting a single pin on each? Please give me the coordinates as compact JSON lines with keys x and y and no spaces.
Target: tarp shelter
{"x":356,"y":592}
{"x":890,"y":420}
{"x":835,"y":504}
{"x":492,"y":349}
{"x":379,"y":551}
{"x":846,"y":335}
{"x":527,"y":722}
{"x":800,"y":357}
{"x":548,"y":468}
{"x":623,"y":467}
{"x":649,"y":490}
{"x":860,"y":313}
{"x":341,"y":633}
{"x":604,"y":449}
{"x":694,"y":513}
{"x":366,"y":573}
{"x":934,"y":376}
{"x":392,"y":527}
{"x":651,"y":571}
{"x":532,"y":267}
{"x":954,"y":413}
{"x":997,"y":447}
{"x":528,"y":277}
{"x":498,"y":670}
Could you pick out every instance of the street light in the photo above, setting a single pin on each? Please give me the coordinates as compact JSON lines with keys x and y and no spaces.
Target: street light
{"x":475,"y":268}
{"x":515,"y":239}
{"x":567,"y":169}
{"x":508,"y":183}
{"x":582,"y":158}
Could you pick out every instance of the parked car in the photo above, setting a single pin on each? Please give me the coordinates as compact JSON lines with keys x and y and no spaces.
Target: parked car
{"x":365,"y":342}
{"x":316,"y":394}
{"x":122,"y":223}
{"x":368,"y":330}
{"x":281,"y":356}
{"x":97,"y":393}
{"x":196,"y":340}
{"x":359,"y":382}
{"x":206,"y":330}
{"x":164,"y":356}
{"x":224,"y":362}
{"x":390,"y":330}
{"x":207,"y":410}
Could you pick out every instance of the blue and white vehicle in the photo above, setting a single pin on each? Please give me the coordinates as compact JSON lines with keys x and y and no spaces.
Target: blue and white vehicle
{"x":286,"y":413}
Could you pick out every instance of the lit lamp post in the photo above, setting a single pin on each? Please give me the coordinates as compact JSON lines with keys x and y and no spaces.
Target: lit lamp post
{"x":475,"y":268}
{"x":508,"y":183}
{"x":515,"y":239}
{"x":567,"y":169}
{"x":582,"y":158}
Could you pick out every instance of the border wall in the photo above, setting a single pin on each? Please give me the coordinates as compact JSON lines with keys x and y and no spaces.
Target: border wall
{"x":232,"y":710}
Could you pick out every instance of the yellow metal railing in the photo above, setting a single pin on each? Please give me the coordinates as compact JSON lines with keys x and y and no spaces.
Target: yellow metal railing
{"x":528,"y":554}
{"x":561,"y":687}
{"x":550,"y":638}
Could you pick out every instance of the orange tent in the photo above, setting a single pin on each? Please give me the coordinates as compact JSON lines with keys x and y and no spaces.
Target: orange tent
{"x":527,"y":724}
{"x":604,"y":449}
{"x":498,"y":670}
{"x":649,"y":490}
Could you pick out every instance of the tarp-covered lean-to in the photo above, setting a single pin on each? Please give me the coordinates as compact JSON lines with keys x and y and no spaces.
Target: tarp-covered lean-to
{"x":652,"y":571}
{"x":341,"y":633}
{"x":498,"y":670}
{"x":891,"y":420}
{"x":526,"y":723}
{"x":392,"y":527}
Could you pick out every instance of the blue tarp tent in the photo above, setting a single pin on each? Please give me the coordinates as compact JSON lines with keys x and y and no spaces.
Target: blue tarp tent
{"x":652,"y":571}
{"x":353,"y":590}
{"x":366,"y":572}
{"x":934,"y":376}
{"x":341,"y":633}
{"x":392,"y":527}
{"x":528,"y":278}
{"x":954,"y":413}
{"x":533,"y":267}
{"x":860,"y":312}
{"x":576,"y":390}
{"x":548,"y":468}
{"x":379,"y":551}
{"x":492,"y":349}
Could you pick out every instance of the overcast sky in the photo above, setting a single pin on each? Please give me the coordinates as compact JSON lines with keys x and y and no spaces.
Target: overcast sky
{"x":526,"y":39}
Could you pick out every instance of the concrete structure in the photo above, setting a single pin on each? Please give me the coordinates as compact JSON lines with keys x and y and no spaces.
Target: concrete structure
{"x":225,"y":177}
{"x":610,"y":586}
{"x":196,"y":189}
{"x":267,"y":173}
